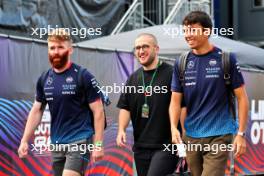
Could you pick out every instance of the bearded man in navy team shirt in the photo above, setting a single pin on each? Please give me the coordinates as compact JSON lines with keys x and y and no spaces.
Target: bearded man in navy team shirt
{"x":72,"y":109}
{"x":209,"y":121}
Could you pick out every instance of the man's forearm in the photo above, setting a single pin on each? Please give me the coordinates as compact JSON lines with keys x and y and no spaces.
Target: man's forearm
{"x":243,"y":113}
{"x":183,"y":117}
{"x":174,"y":112}
{"x":242,"y":100}
{"x":99,"y":123}
{"x":34,"y":119}
{"x":123,"y":120}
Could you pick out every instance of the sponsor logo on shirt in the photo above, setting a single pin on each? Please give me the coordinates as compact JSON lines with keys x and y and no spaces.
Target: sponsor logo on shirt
{"x":48,"y":88}
{"x":238,"y":67}
{"x":190,"y":84}
{"x":69,"y":79}
{"x":212,"y":76}
{"x":190,"y":64}
{"x":191,"y":72}
{"x":212,"y":72}
{"x":49,"y":81}
{"x":189,"y":77}
{"x":68,"y":89}
{"x":212,"y":62}
{"x":49,"y":99}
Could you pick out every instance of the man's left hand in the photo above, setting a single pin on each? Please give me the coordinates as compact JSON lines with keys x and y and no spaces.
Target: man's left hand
{"x":97,"y":154}
{"x":239,"y":146}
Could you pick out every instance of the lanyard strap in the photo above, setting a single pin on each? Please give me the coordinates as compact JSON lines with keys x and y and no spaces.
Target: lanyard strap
{"x":151,"y":81}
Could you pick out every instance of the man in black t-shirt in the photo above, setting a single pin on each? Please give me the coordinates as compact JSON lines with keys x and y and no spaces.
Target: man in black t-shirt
{"x":145,"y":100}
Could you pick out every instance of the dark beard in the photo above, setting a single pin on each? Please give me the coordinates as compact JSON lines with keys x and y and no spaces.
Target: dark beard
{"x":61,"y":60}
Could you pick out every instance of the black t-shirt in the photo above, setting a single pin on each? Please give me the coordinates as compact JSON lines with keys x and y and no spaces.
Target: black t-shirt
{"x":154,"y":131}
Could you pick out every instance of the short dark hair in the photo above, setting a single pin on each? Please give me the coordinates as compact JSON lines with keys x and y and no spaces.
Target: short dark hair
{"x":198,"y":17}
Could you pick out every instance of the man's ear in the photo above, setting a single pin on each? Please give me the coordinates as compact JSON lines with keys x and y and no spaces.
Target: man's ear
{"x":157,"y":48}
{"x":70,"y":50}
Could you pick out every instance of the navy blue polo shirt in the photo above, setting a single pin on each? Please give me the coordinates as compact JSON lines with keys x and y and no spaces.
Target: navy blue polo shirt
{"x":205,"y":94}
{"x":70,"y":116}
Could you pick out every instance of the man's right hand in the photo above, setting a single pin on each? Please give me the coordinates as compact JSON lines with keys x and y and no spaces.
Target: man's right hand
{"x":23,"y":149}
{"x":121,"y":139}
{"x":176,"y":136}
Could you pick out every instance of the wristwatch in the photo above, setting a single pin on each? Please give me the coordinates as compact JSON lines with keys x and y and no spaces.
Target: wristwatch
{"x":243,"y":134}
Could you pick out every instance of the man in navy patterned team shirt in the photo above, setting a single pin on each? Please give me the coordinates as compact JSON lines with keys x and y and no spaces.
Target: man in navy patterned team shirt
{"x":70,"y":110}
{"x":209,"y":121}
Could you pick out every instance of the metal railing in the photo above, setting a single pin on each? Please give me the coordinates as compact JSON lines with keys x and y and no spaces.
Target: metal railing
{"x":149,"y":13}
{"x":142,"y":13}
{"x":183,"y":7}
{"x":133,"y":18}
{"x":174,"y":12}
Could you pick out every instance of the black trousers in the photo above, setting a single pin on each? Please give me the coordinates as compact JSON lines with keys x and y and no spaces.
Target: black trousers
{"x":151,"y":162}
